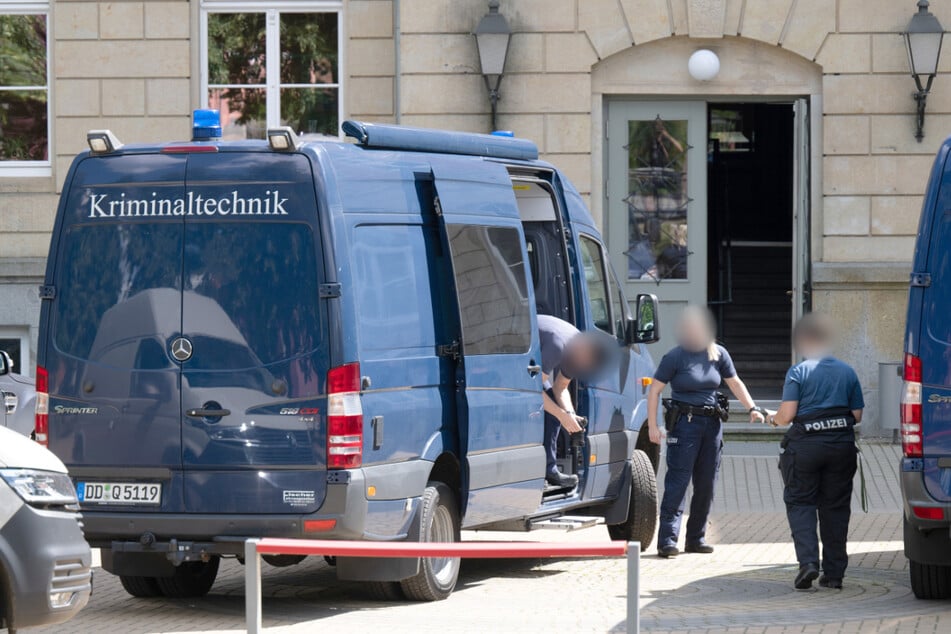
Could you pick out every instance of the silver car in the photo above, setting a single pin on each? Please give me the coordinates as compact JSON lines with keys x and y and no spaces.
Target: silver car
{"x":45,"y":563}
{"x":18,"y":394}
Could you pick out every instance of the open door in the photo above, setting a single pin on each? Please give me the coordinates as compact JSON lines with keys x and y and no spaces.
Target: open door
{"x":657,"y":202}
{"x":801,"y":288}
{"x":498,"y":378}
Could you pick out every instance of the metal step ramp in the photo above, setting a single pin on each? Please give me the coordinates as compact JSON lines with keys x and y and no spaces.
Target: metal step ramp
{"x":563,"y":523}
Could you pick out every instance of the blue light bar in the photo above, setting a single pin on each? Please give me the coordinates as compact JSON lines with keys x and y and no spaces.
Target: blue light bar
{"x":394,"y":137}
{"x":206,"y":125}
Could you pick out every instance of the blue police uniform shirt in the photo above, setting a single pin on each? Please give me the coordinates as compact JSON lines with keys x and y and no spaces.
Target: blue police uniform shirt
{"x":554,"y":335}
{"x":820,"y":384}
{"x":692,"y":376}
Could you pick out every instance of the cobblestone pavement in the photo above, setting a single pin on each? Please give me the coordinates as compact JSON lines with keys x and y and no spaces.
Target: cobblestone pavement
{"x":745,"y":587}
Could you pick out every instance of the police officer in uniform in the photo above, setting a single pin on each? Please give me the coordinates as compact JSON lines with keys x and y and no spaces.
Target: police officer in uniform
{"x":822,"y":403}
{"x":694,"y":369}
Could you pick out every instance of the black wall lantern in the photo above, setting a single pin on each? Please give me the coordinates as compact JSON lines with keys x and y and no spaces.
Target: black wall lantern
{"x":492,"y":39}
{"x":923,"y":39}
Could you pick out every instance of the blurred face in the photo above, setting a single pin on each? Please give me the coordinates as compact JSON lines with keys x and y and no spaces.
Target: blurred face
{"x":694,"y":332}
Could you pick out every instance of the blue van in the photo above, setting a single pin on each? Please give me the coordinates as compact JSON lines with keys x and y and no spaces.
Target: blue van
{"x":926,"y":396}
{"x":328,"y":340}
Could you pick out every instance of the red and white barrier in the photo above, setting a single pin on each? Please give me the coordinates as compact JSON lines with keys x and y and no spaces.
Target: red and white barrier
{"x":254,"y":548}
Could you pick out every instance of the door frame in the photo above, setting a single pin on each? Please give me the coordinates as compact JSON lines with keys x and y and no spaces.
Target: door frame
{"x":808,"y":149}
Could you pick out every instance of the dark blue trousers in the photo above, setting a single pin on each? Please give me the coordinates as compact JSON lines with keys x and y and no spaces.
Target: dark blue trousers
{"x":693,"y":453}
{"x":552,"y":429}
{"x":818,"y":478}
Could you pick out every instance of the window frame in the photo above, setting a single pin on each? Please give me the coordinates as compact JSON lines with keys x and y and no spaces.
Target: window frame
{"x":608,"y":301}
{"x":33,"y":169}
{"x":272,"y":11}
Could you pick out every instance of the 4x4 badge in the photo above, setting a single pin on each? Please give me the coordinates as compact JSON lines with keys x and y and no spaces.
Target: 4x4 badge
{"x":182,"y":349}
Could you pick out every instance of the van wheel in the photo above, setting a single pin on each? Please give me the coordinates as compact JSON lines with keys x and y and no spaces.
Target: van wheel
{"x":141,"y":587}
{"x":929,"y":581}
{"x":384,"y":590}
{"x":191,"y":579}
{"x":642,"y":512}
{"x":438,"y":522}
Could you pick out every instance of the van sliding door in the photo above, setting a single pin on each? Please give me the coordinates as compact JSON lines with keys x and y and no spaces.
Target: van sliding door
{"x":499,"y":389}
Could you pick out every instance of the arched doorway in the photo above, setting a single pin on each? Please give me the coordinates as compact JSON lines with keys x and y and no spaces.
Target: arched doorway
{"x":708,"y":188}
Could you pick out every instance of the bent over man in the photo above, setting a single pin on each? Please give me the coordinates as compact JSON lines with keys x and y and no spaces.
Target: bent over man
{"x":567,"y":354}
{"x":822,"y":400}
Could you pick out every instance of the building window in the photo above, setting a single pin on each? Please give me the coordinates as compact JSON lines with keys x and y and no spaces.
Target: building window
{"x":16,"y":343}
{"x":24,"y":89}
{"x":272,"y":65}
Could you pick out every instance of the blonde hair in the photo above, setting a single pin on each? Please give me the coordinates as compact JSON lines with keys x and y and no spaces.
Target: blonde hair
{"x":703,"y":317}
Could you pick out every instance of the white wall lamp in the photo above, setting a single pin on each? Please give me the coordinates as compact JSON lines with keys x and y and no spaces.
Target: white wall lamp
{"x":703,"y":65}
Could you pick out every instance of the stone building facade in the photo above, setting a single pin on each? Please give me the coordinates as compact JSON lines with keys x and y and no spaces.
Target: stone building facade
{"x":836,"y":69}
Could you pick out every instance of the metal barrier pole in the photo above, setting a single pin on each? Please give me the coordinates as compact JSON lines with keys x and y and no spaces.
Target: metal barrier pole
{"x":252,"y":587}
{"x":633,"y":588}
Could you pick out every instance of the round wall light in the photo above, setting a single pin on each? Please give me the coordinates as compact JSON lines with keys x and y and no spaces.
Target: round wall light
{"x":703,"y":65}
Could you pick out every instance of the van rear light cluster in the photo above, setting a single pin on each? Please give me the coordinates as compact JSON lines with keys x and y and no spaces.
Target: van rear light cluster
{"x":344,"y":417}
{"x":41,"y":425}
{"x":911,"y":431}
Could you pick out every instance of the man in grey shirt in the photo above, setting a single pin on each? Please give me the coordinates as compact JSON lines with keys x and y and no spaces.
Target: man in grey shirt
{"x":567,"y":354}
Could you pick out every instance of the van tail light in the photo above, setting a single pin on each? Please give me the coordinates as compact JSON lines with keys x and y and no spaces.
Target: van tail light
{"x":344,"y":417}
{"x":41,"y":425}
{"x":911,"y":430}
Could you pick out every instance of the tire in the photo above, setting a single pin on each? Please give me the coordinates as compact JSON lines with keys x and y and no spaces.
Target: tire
{"x":384,"y":590}
{"x":191,"y":579}
{"x":930,"y":582}
{"x":140,"y":587}
{"x":438,"y":522}
{"x":641,"y":519}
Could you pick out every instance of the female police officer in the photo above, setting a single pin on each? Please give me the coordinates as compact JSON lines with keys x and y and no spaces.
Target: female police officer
{"x":694,"y":370}
{"x":822,"y":399}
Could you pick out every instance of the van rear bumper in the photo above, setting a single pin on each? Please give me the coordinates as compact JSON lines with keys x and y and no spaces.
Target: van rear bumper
{"x":927,"y":541}
{"x":345,"y":504}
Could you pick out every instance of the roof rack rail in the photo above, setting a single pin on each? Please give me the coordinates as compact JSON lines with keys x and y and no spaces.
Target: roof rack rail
{"x":395,"y":137}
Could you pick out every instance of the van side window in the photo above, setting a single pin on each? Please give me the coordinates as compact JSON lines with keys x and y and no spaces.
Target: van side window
{"x":492,"y":289}
{"x":393,"y":293}
{"x":592,"y":259}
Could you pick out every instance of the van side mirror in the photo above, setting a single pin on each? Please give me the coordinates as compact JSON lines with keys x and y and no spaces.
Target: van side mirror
{"x":644,"y":327}
{"x":5,"y":364}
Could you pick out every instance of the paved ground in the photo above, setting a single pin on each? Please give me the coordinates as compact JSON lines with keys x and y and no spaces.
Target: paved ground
{"x":745,"y":587}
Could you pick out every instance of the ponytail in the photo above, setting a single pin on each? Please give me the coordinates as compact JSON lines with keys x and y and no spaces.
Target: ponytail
{"x":713,"y":352}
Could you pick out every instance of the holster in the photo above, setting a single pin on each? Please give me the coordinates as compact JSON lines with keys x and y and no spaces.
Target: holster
{"x":671,"y":414}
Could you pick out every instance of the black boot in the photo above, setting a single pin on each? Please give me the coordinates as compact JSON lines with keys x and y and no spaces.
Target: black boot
{"x":807,"y":574}
{"x":559,"y":479}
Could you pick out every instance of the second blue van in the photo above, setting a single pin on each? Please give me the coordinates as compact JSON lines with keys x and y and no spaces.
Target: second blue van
{"x":328,"y":339}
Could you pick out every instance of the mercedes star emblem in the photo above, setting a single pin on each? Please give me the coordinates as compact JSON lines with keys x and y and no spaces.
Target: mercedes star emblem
{"x":182,"y":349}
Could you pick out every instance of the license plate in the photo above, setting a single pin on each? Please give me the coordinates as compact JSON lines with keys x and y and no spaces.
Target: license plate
{"x":119,"y":492}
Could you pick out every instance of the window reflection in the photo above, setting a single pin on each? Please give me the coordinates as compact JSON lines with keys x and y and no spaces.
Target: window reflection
{"x":657,"y":199}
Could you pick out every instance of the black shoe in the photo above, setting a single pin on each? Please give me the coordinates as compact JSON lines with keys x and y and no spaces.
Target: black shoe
{"x":828,"y":582}
{"x":559,"y":479}
{"x":668,"y":551}
{"x":807,"y":574}
{"x":703,"y":548}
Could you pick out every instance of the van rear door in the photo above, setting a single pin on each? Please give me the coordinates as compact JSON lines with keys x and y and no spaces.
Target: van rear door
{"x":499,"y":385}
{"x":254,"y":355}
{"x":114,"y":306}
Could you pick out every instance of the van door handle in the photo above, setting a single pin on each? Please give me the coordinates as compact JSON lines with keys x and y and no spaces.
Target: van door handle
{"x":534,"y":370}
{"x":208,"y":413}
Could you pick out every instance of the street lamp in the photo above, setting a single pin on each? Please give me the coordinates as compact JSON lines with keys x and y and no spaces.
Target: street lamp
{"x":923,"y":40}
{"x":492,"y":39}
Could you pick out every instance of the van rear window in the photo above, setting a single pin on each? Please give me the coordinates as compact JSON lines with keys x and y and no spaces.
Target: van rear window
{"x":99,"y":270}
{"x":258,"y":291}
